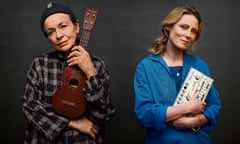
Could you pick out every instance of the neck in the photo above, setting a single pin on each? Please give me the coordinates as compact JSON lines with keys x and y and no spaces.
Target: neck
{"x":173,"y":58}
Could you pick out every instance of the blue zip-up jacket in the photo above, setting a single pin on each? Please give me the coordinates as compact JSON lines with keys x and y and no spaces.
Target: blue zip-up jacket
{"x":155,"y":90}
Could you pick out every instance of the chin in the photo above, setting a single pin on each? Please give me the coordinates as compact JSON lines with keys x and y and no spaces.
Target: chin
{"x":64,"y":49}
{"x":184,"y":47}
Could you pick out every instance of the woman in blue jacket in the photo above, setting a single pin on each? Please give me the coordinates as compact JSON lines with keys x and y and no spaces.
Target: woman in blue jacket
{"x":159,"y":76}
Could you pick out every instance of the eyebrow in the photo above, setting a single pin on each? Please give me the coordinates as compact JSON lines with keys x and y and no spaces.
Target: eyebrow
{"x":57,"y":26}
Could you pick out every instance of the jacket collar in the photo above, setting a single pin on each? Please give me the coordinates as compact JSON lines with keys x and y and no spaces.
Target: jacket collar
{"x":187,"y":60}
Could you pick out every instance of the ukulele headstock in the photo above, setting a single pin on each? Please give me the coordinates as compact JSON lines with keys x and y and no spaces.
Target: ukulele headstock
{"x":90,"y":18}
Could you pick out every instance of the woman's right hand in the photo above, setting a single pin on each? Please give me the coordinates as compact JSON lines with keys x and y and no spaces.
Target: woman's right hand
{"x":195,"y":105}
{"x":85,"y":126}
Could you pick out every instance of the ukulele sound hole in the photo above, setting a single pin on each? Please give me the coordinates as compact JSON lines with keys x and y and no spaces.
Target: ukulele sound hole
{"x":73,"y":83}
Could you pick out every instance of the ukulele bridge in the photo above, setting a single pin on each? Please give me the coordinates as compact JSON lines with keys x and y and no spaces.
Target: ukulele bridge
{"x":68,"y":103}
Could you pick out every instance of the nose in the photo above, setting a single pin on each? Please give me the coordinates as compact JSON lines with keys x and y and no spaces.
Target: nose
{"x":59,"y":34}
{"x":188,"y":34}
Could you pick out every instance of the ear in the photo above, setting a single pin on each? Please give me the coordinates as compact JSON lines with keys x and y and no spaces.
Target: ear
{"x":77,"y":26}
{"x":168,"y":28}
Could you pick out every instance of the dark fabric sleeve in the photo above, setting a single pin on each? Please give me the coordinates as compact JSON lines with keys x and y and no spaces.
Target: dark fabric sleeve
{"x":37,"y":108}
{"x":98,"y":95}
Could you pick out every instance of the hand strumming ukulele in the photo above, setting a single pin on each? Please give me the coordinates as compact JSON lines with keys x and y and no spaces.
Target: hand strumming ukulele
{"x":69,"y":100}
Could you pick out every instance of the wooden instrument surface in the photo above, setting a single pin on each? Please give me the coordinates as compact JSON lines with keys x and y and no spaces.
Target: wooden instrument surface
{"x":69,"y":100}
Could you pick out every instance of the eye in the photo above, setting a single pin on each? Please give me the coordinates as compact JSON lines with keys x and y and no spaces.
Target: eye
{"x":63,"y":25}
{"x":183,"y":26}
{"x":50,"y":32}
{"x":194,"y":31}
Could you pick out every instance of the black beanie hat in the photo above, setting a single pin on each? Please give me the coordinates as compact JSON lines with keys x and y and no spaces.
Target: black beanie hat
{"x":52,"y":8}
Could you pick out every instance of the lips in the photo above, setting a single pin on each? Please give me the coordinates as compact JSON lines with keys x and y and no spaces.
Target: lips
{"x":62,"y":44}
{"x":186,"y":42}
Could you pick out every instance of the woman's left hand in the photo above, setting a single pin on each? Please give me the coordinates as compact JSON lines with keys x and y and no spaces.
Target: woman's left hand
{"x":80,"y":57}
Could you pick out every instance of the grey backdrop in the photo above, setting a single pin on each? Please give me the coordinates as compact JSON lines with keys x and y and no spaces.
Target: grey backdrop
{"x":122,"y":34}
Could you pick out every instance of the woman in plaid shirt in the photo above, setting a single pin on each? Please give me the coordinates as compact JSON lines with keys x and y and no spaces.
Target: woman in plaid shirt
{"x":44,"y":77}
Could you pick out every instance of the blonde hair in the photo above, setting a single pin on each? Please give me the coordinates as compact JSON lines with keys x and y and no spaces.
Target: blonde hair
{"x":158,"y":46}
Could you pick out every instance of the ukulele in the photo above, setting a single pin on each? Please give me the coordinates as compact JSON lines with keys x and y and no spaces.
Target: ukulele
{"x":69,"y":100}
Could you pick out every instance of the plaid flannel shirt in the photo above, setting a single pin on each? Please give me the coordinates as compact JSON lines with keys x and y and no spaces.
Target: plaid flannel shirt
{"x":44,"y":125}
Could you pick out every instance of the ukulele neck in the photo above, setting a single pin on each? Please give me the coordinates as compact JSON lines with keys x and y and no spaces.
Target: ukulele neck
{"x":88,"y":24}
{"x":85,"y":38}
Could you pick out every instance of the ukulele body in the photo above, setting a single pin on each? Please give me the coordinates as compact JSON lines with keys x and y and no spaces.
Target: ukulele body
{"x":69,"y":100}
